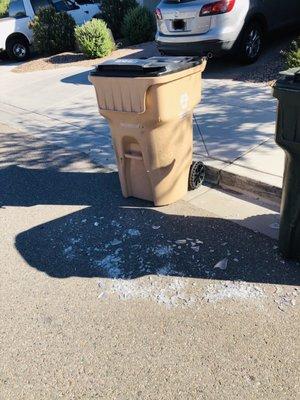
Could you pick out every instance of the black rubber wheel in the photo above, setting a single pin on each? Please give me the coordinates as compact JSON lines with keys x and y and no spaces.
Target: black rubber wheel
{"x":18,"y":49}
{"x":251,"y":43}
{"x":197,"y":175}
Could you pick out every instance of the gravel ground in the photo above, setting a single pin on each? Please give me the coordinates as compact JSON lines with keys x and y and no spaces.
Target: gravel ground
{"x":64,"y":60}
{"x":265,"y":70}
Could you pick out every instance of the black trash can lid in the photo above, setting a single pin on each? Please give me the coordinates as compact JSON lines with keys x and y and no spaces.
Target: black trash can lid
{"x":292,"y":74}
{"x":150,"y":67}
{"x":289,"y":79}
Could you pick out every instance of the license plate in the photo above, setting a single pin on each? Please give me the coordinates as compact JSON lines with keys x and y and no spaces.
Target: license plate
{"x":178,"y":24}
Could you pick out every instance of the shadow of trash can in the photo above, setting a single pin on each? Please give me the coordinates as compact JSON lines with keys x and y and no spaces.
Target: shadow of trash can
{"x":287,"y":91}
{"x":149,"y":105}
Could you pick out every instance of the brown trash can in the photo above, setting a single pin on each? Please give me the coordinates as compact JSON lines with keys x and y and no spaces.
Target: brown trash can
{"x":149,"y":106}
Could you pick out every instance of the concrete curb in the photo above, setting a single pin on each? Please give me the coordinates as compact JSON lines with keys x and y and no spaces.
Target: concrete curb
{"x":243,"y":184}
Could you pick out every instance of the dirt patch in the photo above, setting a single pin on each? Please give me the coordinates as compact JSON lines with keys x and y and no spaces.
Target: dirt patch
{"x":64,"y":60}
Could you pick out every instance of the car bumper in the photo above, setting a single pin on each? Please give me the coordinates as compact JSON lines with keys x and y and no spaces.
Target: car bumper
{"x":201,"y":48}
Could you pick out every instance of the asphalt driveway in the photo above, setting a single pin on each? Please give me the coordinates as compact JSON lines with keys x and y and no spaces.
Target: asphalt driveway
{"x":107,"y":298}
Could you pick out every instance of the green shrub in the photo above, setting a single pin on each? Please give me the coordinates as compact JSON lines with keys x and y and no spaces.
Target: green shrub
{"x":53,"y":32}
{"x":113,"y":13}
{"x":293,"y":55}
{"x":94,"y":38}
{"x":139,"y":25}
{"x":3,"y":8}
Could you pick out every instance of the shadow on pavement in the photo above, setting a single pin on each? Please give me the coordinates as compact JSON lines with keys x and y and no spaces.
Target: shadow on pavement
{"x":126,"y":238}
{"x":22,"y":187}
{"x":234,"y":119}
{"x":78,"y":79}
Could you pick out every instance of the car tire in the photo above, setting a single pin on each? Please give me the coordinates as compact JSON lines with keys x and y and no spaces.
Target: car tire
{"x":251,"y":43}
{"x":18,"y":49}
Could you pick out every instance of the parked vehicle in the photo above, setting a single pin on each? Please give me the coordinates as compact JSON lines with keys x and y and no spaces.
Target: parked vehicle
{"x":190,"y":27}
{"x":15,"y":35}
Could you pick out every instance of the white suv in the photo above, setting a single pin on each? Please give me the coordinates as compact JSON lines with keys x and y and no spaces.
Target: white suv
{"x":15,"y":35}
{"x":191,"y":27}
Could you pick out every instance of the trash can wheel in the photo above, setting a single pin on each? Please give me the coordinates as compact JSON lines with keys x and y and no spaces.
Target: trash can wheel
{"x":197,"y":175}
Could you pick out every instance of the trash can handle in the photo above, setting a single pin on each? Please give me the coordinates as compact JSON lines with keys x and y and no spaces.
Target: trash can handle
{"x":121,"y":94}
{"x":123,"y":97}
{"x":133,"y":156}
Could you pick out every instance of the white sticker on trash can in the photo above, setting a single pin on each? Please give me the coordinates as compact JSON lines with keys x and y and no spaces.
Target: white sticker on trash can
{"x":130,"y":126}
{"x":184,"y":101}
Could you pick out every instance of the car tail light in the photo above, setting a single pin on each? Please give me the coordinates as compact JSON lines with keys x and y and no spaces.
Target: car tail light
{"x":217,"y":7}
{"x":158,"y":13}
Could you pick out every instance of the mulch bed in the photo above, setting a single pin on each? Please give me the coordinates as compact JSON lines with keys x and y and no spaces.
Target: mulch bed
{"x":72,"y":59}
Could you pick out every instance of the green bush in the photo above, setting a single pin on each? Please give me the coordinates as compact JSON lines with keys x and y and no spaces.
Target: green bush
{"x":113,"y":13}
{"x":94,"y":38}
{"x":139,"y":25}
{"x":53,"y":32}
{"x":293,"y":55}
{"x":3,"y":8}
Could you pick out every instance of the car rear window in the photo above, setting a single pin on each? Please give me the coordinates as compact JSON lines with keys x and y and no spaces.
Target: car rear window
{"x":61,"y":5}
{"x":38,"y":4}
{"x":16,"y":9}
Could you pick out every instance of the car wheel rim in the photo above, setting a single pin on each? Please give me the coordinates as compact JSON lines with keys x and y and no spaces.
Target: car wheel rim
{"x":197,"y":174}
{"x":19,"y":50}
{"x":200,"y":173}
{"x":253,"y":43}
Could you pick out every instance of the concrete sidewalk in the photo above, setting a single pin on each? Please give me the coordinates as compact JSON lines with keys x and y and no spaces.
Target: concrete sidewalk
{"x":233,"y":135}
{"x":237,"y":125}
